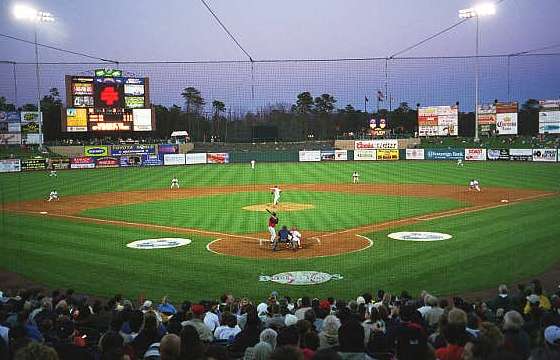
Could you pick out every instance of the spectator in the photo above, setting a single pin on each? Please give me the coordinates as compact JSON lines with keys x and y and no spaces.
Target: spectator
{"x":288,"y":336}
{"x":149,"y":334}
{"x":170,"y":347}
{"x":111,"y":346}
{"x":264,"y":347}
{"x":36,"y":351}
{"x":229,"y":327}
{"x":66,"y":346}
{"x":487,"y":346}
{"x":310,"y":344}
{"x":351,"y":339}
{"x":249,"y":336}
{"x":211,"y":320}
{"x":192,"y":347}
{"x":410,"y":338}
{"x":275,"y":319}
{"x":456,"y":335}
{"x":502,"y":300}
{"x":329,"y":336}
{"x":305,"y":305}
{"x":196,"y":322}
{"x":286,"y":353}
{"x":516,"y":339}
{"x":433,"y":314}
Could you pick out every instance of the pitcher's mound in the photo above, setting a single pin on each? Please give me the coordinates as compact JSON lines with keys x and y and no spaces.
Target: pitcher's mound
{"x":280,"y":207}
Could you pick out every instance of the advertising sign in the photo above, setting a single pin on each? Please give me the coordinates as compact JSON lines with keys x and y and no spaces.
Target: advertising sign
{"x":82,"y":162}
{"x":414,"y":154}
{"x":521,"y":154}
{"x":383,"y":154}
{"x":142,"y":119}
{"x":59,"y":164}
{"x":10,"y":138}
{"x":506,"y":124}
{"x":107,"y":162}
{"x":475,"y":154}
{"x":76,"y":120}
{"x":134,"y":90}
{"x":341,"y":155}
{"x":376,"y":144}
{"x":367,"y":155}
{"x":486,"y":115}
{"x":195,"y":158}
{"x":168,"y":149}
{"x":10,"y":165}
{"x":438,"y":121}
{"x":549,"y":122}
{"x":327,"y":155}
{"x":151,"y":160}
{"x":548,"y":155}
{"x":310,"y":155}
{"x":217,"y":158}
{"x":96,"y":150}
{"x":118,"y":150}
{"x":444,"y":154}
{"x":130,"y":160}
{"x":29,"y":122}
{"x":498,"y":154}
{"x":173,"y":159}
{"x":33,"y":164}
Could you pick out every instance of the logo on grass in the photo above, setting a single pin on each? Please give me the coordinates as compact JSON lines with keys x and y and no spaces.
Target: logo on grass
{"x":300,"y":278}
{"x":163,"y":243}
{"x":419,"y":236}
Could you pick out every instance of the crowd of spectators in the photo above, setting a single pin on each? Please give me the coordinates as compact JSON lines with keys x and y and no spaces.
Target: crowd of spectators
{"x":524,"y":324}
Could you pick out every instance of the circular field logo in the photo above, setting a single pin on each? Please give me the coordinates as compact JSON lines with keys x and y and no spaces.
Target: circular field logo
{"x":163,"y":243}
{"x":301,"y":278}
{"x":419,"y":236}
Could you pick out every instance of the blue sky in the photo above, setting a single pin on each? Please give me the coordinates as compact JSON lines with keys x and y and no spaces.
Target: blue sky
{"x":128,"y":30}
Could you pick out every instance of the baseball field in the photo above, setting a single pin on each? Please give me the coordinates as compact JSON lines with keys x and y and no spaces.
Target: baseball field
{"x":504,"y":233}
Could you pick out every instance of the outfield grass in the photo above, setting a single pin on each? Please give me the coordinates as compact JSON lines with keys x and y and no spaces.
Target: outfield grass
{"x":488,"y":247}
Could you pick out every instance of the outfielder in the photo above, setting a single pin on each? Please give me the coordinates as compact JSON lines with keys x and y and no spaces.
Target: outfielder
{"x":272,"y":222}
{"x":53,"y":196}
{"x":253,"y":164}
{"x":276,"y":195}
{"x":174,"y":183}
{"x":460,"y":163}
{"x":355,"y":177}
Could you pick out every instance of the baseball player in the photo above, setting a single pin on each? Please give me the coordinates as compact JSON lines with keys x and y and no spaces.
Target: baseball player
{"x":174,"y":183}
{"x":355,"y":177}
{"x":53,"y":196}
{"x":296,"y":237}
{"x":272,"y":222}
{"x":276,"y":195}
{"x":460,"y":162}
{"x":476,"y":185}
{"x":284,"y":236}
{"x":253,"y":162}
{"x":53,"y":173}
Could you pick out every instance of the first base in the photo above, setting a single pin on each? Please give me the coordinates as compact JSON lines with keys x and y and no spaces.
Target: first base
{"x":505,"y":201}
{"x":43,"y":213}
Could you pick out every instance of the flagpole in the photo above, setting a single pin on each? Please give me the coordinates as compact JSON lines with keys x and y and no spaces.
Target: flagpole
{"x":365,"y":104}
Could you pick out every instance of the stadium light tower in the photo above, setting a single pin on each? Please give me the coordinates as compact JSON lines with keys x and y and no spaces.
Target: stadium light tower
{"x":27,"y":13}
{"x":476,"y":12}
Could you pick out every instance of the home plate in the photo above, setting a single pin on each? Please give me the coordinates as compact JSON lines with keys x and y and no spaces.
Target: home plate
{"x":505,"y":201}
{"x":43,"y":213}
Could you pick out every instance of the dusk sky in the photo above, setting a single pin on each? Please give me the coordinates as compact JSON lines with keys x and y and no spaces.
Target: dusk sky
{"x":128,"y":30}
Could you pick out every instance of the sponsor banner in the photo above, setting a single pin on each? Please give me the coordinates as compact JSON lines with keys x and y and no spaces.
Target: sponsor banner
{"x":487,"y":114}
{"x":76,"y":120}
{"x":548,"y":155}
{"x":10,"y":165}
{"x":151,"y":160}
{"x":506,"y":123}
{"x":118,"y":150}
{"x":497,"y":154}
{"x":438,"y":121}
{"x":217,"y":158}
{"x":162,"y":243}
{"x":419,"y":236}
{"x":549,"y":122}
{"x":475,"y":154}
{"x":168,"y":149}
{"x":32,"y":139}
{"x":107,"y":162}
{"x":10,"y":138}
{"x":341,"y":155}
{"x":173,"y":159}
{"x":521,"y":154}
{"x":142,"y":119}
{"x":30,"y":122}
{"x":59,"y":164}
{"x":82,"y":162}
{"x":327,"y":155}
{"x":96,"y":150}
{"x":414,"y":154}
{"x":300,"y":278}
{"x":376,"y":144}
{"x":10,"y":116}
{"x":33,"y":164}
{"x":130,"y":160}
{"x":365,"y":154}
{"x":444,"y":154}
{"x":309,"y":155}
{"x":14,"y":127}
{"x":195,"y":158}
{"x":383,"y":154}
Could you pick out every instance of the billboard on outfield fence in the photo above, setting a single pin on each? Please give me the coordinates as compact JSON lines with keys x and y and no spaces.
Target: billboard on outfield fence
{"x":82,"y":162}
{"x":376,"y":144}
{"x":548,"y":155}
{"x":107,"y":162}
{"x":195,"y":158}
{"x":444,"y":154}
{"x":497,"y":154}
{"x":341,"y":155}
{"x":365,"y":155}
{"x":14,"y":138}
{"x":119,"y":150}
{"x":414,"y":154}
{"x":549,"y":117}
{"x":59,"y":163}
{"x":173,"y":159}
{"x":96,"y":150}
{"x":130,"y":160}
{"x":314,"y":155}
{"x":521,"y":154}
{"x":151,"y":160}
{"x":168,"y":149}
{"x":475,"y":154}
{"x":10,"y":165}
{"x":33,"y":164}
{"x":383,"y":154}
{"x":327,"y":155}
{"x":217,"y":158}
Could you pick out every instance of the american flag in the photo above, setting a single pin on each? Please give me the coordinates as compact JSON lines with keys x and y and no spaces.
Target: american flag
{"x":380,"y":96}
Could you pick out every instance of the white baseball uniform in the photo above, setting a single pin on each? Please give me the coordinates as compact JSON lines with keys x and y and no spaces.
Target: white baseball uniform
{"x":175,"y":183}
{"x":355,"y":177}
{"x":459,"y":162}
{"x":253,"y":164}
{"x":276,"y":193}
{"x":53,"y":196}
{"x":296,"y":237}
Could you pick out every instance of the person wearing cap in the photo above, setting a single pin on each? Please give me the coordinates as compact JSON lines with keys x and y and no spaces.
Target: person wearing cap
{"x":541,"y":299}
{"x":551,"y":348}
{"x":197,"y":315}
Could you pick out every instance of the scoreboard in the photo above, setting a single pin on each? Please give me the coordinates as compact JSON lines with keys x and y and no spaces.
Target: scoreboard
{"x":107,"y":101}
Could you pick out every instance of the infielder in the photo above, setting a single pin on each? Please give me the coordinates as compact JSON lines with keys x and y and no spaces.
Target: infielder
{"x":460,"y":162}
{"x":355,"y":177}
{"x":296,"y":237}
{"x":253,"y":164}
{"x":174,"y":183}
{"x":272,"y":222}
{"x":276,"y":195}
{"x":53,"y":196}
{"x":474,"y":185}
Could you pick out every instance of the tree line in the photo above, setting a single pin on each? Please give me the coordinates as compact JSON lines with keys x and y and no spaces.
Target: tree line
{"x":316,"y":118}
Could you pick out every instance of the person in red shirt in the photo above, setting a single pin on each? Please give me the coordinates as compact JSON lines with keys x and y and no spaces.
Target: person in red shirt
{"x":272,"y":222}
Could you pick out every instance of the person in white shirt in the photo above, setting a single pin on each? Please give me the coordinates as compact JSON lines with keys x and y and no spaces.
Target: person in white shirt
{"x":53,"y":196}
{"x":175,"y":183}
{"x":296,"y":237}
{"x":211,"y":319}
{"x":276,"y":195}
{"x":229,"y":327}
